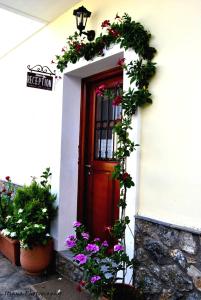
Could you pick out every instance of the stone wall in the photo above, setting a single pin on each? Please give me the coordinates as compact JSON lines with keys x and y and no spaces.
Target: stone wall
{"x":168,"y":262}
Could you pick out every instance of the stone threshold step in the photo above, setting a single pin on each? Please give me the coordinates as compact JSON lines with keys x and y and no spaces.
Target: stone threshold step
{"x":59,"y":289}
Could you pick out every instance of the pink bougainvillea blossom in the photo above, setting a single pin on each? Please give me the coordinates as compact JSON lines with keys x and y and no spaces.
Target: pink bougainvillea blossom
{"x":117,"y":100}
{"x":121,"y":62}
{"x":100,"y":90}
{"x":105,"y":23}
{"x":113,"y":32}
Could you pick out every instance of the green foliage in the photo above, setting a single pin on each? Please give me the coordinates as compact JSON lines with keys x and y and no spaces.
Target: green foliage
{"x":140,"y":72}
{"x":129,"y":35}
{"x":34,"y":209}
{"x":101,"y":262}
{"x":7,"y":191}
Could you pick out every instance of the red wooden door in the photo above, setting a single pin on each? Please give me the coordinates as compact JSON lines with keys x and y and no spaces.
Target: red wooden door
{"x":98,"y":192}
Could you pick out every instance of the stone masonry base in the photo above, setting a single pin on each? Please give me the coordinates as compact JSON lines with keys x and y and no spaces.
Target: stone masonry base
{"x":168,"y":262}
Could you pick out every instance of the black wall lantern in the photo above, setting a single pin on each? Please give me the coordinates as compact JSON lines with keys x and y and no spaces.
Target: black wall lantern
{"x":82,"y":14}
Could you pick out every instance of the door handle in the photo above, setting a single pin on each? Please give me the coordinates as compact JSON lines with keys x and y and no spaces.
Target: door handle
{"x":87,"y":166}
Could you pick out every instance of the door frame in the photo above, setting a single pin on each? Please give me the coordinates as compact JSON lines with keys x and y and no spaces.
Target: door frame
{"x":86,"y":82}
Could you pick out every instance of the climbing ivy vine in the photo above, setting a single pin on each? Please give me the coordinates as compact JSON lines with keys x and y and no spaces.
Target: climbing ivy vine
{"x":129,"y":35}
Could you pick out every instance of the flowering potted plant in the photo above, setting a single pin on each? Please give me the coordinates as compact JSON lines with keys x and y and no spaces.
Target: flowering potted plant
{"x":9,"y":245}
{"x":101,"y":265}
{"x":33,"y":211}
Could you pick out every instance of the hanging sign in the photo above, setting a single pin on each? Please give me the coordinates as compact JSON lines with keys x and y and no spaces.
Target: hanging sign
{"x":40,"y":78}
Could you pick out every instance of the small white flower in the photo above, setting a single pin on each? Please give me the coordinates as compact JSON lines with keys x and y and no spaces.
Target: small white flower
{"x":47,"y":234}
{"x":36,"y":225}
{"x":8,"y":217}
{"x":19,"y":221}
{"x":5,"y":232}
{"x":20,"y":210}
{"x":59,"y":278}
{"x":12,"y":234}
{"x":44,"y":210}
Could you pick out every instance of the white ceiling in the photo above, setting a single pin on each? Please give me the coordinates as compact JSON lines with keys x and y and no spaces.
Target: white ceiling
{"x":20,"y":19}
{"x":44,"y":10}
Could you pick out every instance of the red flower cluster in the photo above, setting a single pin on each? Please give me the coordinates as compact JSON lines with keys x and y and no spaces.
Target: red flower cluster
{"x":121,"y":62}
{"x":105,"y":23}
{"x":113,"y":32}
{"x":125,"y":176}
{"x":100,"y":90}
{"x":78,"y":47}
{"x":108,"y":228}
{"x":117,"y":100}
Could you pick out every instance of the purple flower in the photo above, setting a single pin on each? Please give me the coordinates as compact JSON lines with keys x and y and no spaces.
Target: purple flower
{"x":71,"y":237}
{"x":97,"y":240}
{"x":70,"y":243}
{"x":95,"y":278}
{"x":118,"y":247}
{"x":105,"y":244}
{"x":85,"y":235}
{"x":81,"y":258}
{"x":76,"y":224}
{"x":92,"y":248}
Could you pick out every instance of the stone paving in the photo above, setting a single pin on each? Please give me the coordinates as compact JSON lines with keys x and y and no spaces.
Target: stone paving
{"x":15,"y":284}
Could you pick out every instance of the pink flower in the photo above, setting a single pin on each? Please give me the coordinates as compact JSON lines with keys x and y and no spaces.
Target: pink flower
{"x":108,"y":228}
{"x":71,"y":237}
{"x":118,"y":247}
{"x":113,"y":32}
{"x":77,"y":224}
{"x":117,"y":100}
{"x":105,"y":244}
{"x":70,"y":243}
{"x":85,"y":235}
{"x":81,"y":258}
{"x":105,"y":23}
{"x":97,"y":240}
{"x":121,"y":62}
{"x":92,"y":248}
{"x":95,"y":278}
{"x":100,"y":90}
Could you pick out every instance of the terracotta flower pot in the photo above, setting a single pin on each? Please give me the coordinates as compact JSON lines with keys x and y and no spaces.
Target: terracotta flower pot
{"x":34,"y":261}
{"x":10,"y":248}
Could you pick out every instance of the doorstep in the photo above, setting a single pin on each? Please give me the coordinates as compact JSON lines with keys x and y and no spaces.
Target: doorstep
{"x":61,"y":289}
{"x":66,"y":267}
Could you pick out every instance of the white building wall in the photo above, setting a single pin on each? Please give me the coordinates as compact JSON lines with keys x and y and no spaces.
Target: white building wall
{"x":169,"y":186}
